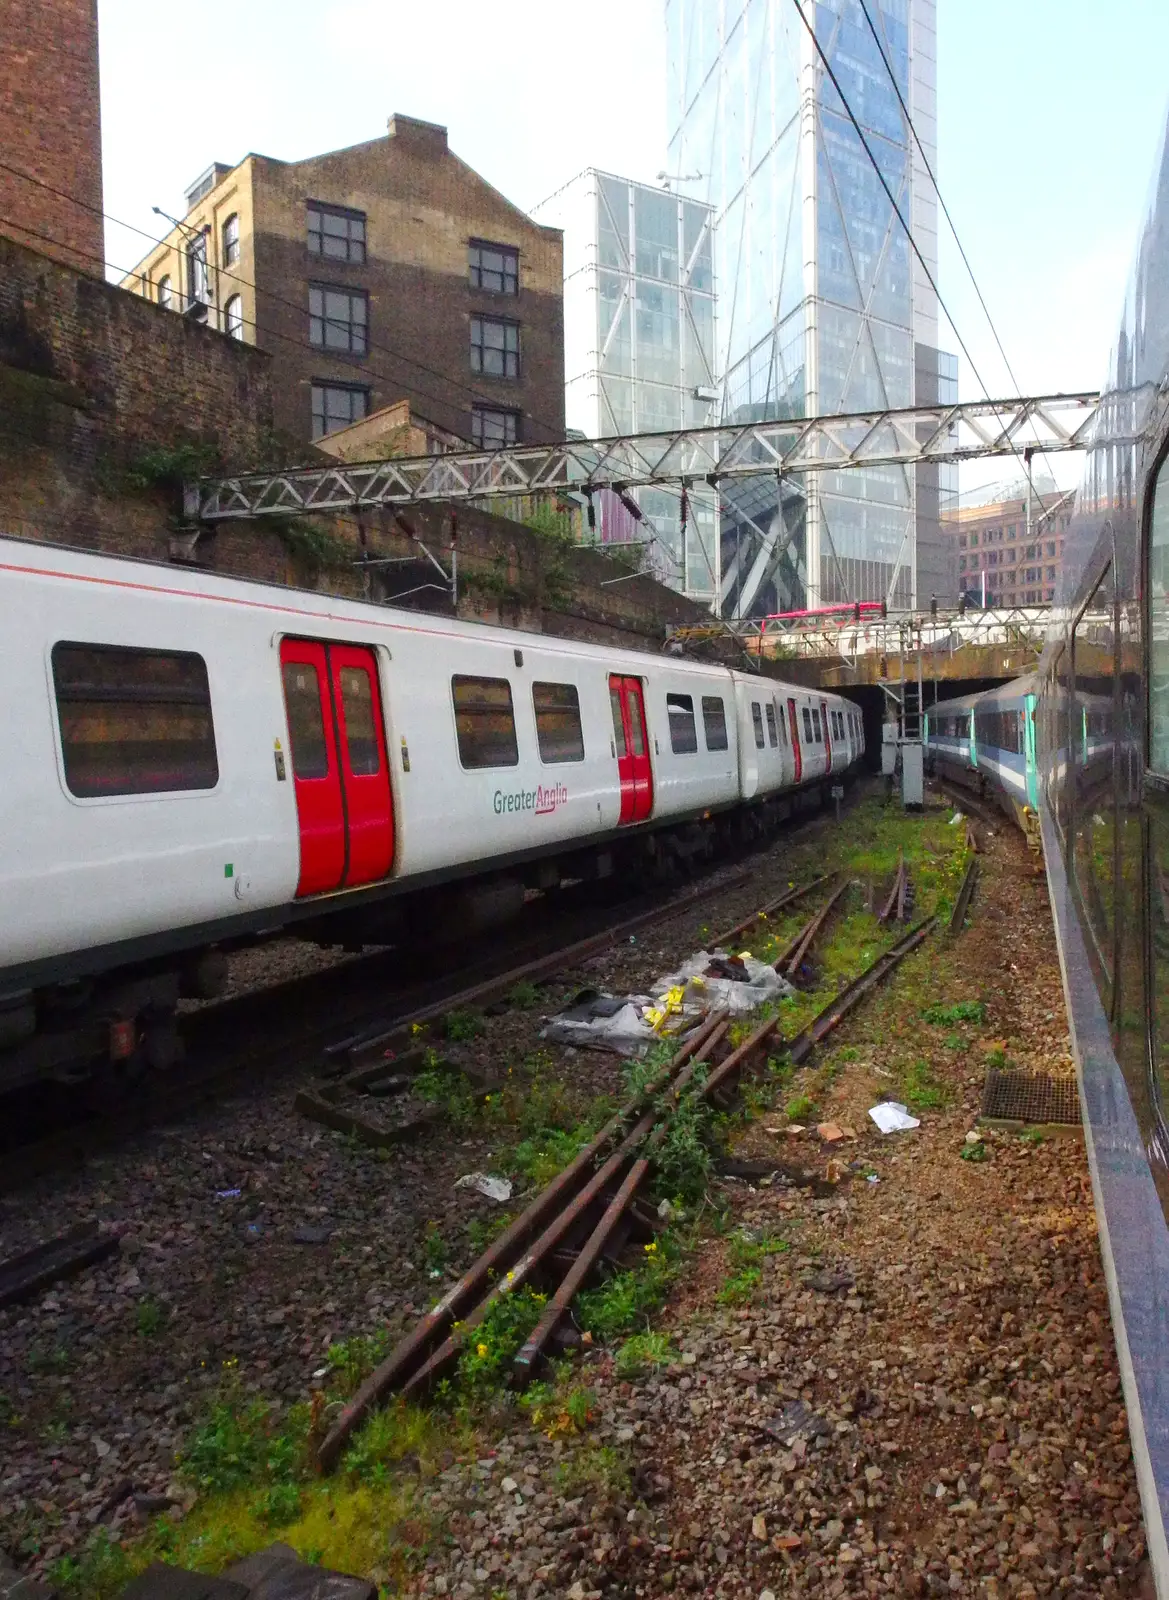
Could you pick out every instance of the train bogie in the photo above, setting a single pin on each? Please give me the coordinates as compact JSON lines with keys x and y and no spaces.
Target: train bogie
{"x":201,"y":761}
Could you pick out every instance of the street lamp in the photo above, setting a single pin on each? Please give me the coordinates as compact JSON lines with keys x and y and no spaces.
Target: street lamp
{"x":196,"y":256}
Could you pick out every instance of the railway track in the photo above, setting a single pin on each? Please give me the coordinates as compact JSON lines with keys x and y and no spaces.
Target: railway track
{"x":588,"y":1213}
{"x":272,"y":1032}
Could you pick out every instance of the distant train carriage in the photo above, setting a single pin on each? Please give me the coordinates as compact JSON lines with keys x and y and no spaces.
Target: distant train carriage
{"x":987,"y":741}
{"x":194,"y":762}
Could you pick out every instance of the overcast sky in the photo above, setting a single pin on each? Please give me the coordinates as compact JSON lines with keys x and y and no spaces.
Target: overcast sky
{"x":1049,"y":117}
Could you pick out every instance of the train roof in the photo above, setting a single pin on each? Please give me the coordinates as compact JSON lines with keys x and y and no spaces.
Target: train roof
{"x":298,"y":610}
{"x":1005,"y":693}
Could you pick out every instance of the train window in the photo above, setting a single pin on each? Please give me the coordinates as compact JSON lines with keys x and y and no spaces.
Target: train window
{"x":714,"y":722}
{"x":757,"y":724}
{"x":772,"y":735}
{"x":1159,"y":626}
{"x":484,"y":722}
{"x":558,"y":730}
{"x":618,"y":722}
{"x":807,"y":726}
{"x":306,"y":725}
{"x":1092,"y":754}
{"x":817,"y":730}
{"x":781,"y":723}
{"x":633,"y":707}
{"x":360,"y":727}
{"x":133,"y":721}
{"x":683,"y":732}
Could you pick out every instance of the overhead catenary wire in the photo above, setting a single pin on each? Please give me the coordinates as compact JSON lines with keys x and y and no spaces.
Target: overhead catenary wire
{"x":476,"y":395}
{"x":457,"y":384}
{"x":864,"y":5}
{"x":913,"y":245}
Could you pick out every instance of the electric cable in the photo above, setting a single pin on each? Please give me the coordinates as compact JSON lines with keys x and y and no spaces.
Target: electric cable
{"x":225,"y":272}
{"x":864,"y":5}
{"x":908,"y":231}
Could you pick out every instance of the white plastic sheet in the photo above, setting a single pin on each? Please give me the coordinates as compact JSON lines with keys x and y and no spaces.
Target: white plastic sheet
{"x":762,"y":983}
{"x":626,"y":1032}
{"x":498,"y":1189}
{"x":892,"y":1117}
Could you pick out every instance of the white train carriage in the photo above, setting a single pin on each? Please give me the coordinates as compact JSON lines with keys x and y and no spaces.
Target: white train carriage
{"x":196,"y":761}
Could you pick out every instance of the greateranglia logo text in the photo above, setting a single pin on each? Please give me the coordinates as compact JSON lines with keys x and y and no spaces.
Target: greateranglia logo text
{"x":543,"y":801}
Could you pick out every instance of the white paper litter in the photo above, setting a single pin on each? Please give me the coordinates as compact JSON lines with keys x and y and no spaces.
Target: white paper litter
{"x":699,"y":993}
{"x":891,"y":1117}
{"x":494,"y":1188}
{"x":956,"y":818}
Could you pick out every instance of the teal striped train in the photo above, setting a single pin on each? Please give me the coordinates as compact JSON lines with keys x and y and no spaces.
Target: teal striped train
{"x":986,"y":742}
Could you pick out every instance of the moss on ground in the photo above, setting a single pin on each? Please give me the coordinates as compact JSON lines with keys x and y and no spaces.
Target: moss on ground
{"x":252,"y":1467}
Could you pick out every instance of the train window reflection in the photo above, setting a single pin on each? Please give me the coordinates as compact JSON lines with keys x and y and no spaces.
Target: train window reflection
{"x":1159,"y":625}
{"x":1091,"y":762}
{"x":558,"y":729}
{"x":484,"y":722}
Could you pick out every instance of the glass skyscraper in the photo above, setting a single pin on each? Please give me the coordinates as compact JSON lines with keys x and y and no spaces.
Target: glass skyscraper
{"x":822,"y":306}
{"x":639,"y":349}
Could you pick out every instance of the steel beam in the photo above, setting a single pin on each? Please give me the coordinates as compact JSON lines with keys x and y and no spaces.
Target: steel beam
{"x":1045,"y":424}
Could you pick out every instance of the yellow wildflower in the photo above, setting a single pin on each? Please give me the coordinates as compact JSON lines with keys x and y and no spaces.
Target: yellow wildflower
{"x":480,"y":1349}
{"x":651,"y":1247}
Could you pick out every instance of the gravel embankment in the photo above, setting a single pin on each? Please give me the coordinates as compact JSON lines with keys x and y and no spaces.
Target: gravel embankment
{"x":944,"y":1329}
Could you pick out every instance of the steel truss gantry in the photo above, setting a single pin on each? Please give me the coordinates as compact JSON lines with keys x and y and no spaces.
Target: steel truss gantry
{"x":1043,"y":424}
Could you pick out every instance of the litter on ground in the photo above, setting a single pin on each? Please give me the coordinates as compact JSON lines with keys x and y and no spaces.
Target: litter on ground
{"x":498,"y":1189}
{"x":892,"y":1117}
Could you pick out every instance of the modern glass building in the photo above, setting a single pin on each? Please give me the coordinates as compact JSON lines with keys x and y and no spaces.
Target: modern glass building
{"x":822,"y":306}
{"x":639,"y":349}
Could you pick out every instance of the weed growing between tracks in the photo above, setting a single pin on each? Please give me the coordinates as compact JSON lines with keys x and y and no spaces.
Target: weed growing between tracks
{"x":250,"y":1464}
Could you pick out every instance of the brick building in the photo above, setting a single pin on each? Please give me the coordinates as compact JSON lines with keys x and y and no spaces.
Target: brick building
{"x":50,"y":129}
{"x":992,"y":539}
{"x":386,"y":271}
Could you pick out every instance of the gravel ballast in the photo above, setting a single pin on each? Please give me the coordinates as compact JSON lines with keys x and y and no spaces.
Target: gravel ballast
{"x":918,"y":1396}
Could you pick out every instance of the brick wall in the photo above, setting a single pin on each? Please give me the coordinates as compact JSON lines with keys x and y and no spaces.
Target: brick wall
{"x":422,"y":205}
{"x":92,"y":380}
{"x":509,"y":575}
{"x":50,"y":128}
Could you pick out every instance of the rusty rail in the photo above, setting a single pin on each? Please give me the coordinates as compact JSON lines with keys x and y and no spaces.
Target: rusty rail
{"x":965,"y":892}
{"x":896,"y":898}
{"x":564,"y":1209}
{"x":561,"y":1191}
{"x":540,"y":966}
{"x":772,"y":906}
{"x":836,"y":1010}
{"x":790,"y":961}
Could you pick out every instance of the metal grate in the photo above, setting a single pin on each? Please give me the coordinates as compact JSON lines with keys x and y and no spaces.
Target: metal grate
{"x":1030,"y":1097}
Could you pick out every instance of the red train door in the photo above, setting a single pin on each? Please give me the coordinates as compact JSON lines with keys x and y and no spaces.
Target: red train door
{"x":339,"y":767}
{"x":827,"y":736}
{"x":631,"y":742}
{"x":794,"y":725}
{"x":365,"y":771}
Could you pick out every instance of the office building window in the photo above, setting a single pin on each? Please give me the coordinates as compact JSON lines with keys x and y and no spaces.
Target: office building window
{"x":961,"y":541}
{"x":231,"y":241}
{"x":961,"y":563}
{"x":495,"y":347}
{"x":336,"y":233}
{"x":974,"y":541}
{"x":165,"y":298}
{"x":233,"y":317}
{"x":492,"y":430}
{"x":1051,"y":547}
{"x":338,"y":319}
{"x":494,"y":267}
{"x":336,"y":405}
